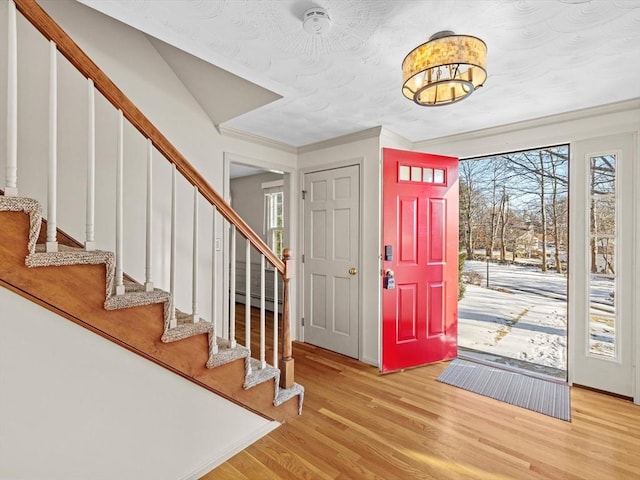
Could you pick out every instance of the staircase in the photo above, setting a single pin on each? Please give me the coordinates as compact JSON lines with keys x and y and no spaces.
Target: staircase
{"x":89,"y":286}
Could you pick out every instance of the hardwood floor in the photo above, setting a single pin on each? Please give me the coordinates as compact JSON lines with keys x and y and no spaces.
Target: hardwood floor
{"x":358,"y":424}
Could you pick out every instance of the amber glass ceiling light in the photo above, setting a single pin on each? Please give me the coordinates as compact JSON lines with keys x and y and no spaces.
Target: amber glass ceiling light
{"x":444,"y":70}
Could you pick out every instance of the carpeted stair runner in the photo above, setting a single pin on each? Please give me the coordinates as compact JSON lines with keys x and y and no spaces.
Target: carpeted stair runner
{"x":135,"y":295}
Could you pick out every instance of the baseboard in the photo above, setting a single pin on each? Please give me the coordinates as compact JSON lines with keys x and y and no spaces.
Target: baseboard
{"x":231,"y":451}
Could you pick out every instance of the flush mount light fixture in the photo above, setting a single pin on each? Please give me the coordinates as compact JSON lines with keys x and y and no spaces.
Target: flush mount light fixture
{"x":445,"y":69}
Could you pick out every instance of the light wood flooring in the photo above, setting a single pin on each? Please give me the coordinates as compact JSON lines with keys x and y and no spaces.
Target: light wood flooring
{"x":358,"y":424}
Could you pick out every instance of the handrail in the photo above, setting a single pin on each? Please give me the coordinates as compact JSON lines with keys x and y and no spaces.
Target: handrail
{"x":48,"y":27}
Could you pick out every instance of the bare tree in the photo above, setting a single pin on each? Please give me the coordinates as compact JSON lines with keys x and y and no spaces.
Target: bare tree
{"x":602,"y":211}
{"x":469,"y":203}
{"x":536,"y":183}
{"x":504,"y":220}
{"x":541,"y":173}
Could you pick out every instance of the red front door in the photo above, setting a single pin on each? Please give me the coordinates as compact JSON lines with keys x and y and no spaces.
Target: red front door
{"x":420,"y":254}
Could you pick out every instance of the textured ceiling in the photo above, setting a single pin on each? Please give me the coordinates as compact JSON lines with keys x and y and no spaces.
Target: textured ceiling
{"x":544,"y":57}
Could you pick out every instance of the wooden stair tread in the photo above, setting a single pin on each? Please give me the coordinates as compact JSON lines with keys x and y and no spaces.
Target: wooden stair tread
{"x":186,"y":328}
{"x":135,"y":295}
{"x":259,"y":374}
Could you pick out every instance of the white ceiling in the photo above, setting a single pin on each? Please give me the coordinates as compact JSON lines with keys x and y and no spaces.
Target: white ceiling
{"x":544,"y":57}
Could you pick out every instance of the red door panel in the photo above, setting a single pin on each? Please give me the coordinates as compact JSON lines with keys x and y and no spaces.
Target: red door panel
{"x":420,"y":223}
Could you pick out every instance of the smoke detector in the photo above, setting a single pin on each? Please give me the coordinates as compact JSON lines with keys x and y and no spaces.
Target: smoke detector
{"x":316,"y":21}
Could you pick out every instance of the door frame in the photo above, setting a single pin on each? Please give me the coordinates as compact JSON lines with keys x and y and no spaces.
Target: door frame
{"x":290,"y":231}
{"x":358,"y":161}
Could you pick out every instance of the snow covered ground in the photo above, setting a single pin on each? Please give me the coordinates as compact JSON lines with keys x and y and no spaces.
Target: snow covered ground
{"x":523,"y":314}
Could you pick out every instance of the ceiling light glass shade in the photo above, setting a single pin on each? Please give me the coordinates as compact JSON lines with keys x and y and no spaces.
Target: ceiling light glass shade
{"x":444,"y":70}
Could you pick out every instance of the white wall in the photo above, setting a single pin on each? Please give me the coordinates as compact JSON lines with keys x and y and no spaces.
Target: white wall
{"x":76,"y":406}
{"x":366,"y":153}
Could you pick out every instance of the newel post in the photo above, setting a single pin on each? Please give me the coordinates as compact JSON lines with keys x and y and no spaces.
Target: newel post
{"x":286,"y":361}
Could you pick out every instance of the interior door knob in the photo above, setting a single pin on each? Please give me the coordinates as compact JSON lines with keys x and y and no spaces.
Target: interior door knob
{"x":353,"y":271}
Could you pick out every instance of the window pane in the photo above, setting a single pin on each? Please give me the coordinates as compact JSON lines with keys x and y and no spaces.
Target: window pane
{"x":438,"y":176}
{"x":416,"y":174}
{"x":279,"y":221}
{"x":603,"y":175}
{"x":427,"y":175}
{"x":403,"y":173}
{"x":602,"y":316}
{"x":603,"y":215}
{"x":602,"y":284}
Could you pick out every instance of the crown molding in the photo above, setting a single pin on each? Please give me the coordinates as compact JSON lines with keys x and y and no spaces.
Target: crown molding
{"x":396,"y":137}
{"x":256,"y":139}
{"x":344,"y":139}
{"x":610,"y":108}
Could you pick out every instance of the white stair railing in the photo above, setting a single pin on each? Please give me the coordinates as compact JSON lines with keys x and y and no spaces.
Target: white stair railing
{"x":11,"y":178}
{"x":173,"y":321}
{"x":148,"y":265}
{"x":263,"y":332}
{"x":119,"y":280}
{"x":213,"y":347}
{"x":247,"y":299}
{"x":232,"y":287}
{"x":97,"y":80}
{"x":194,"y":268}
{"x":275,"y":317}
{"x":52,"y":222}
{"x":90,"y":240}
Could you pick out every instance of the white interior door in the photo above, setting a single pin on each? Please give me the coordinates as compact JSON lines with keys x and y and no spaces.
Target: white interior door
{"x":331,"y":254}
{"x":601,"y":283}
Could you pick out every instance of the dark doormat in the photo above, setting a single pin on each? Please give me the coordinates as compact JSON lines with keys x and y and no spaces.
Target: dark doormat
{"x":543,"y":396}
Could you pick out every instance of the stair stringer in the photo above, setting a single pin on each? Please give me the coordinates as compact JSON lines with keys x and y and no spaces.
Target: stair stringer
{"x":136,"y":297}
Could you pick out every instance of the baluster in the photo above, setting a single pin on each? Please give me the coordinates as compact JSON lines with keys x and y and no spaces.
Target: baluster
{"x":90,"y":241}
{"x":232,"y":286}
{"x":286,"y":362}
{"x":148,"y":269}
{"x":247,"y":297}
{"x":214,"y":266}
{"x":275,"y":317}
{"x":11,"y":180}
{"x":263,"y":362}
{"x":52,"y":223}
{"x":194,"y":269}
{"x":173,"y":321}
{"x":120,"y":207}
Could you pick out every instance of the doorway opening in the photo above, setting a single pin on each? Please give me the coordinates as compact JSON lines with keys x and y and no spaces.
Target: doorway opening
{"x":260,"y":192}
{"x":514,"y":238}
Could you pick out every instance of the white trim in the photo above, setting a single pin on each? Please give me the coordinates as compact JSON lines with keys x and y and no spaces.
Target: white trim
{"x":636,"y":278}
{"x":233,"y":449}
{"x":274,"y":184}
{"x":617,"y":107}
{"x":341,"y":140}
{"x":387,"y":135}
{"x":255,"y":139}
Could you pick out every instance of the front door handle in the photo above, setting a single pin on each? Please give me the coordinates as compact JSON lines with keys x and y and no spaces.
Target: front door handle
{"x":353,"y":271}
